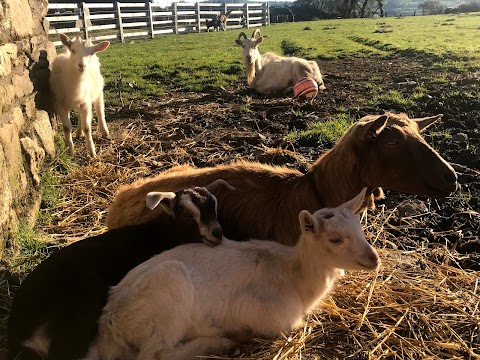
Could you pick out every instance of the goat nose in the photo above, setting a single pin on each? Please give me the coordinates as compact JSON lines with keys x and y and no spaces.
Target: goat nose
{"x":217,"y":232}
{"x":451,"y":176}
{"x":373,"y":258}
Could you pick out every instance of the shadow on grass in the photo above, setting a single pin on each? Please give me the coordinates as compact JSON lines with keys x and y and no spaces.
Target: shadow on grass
{"x":416,"y":54}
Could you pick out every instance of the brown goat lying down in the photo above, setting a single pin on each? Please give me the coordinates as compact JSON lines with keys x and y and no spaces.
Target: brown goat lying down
{"x":377,"y":151}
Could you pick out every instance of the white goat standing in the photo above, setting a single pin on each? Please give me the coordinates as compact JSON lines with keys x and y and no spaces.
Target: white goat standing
{"x":169,"y":308}
{"x":272,"y":73}
{"x":76,"y":83}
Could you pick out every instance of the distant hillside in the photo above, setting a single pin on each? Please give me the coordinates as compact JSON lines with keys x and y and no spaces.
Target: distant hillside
{"x":408,"y":7}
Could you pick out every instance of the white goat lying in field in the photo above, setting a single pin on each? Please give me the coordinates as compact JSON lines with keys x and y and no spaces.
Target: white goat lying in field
{"x":272,"y":73}
{"x":76,"y":83}
{"x":169,"y":307}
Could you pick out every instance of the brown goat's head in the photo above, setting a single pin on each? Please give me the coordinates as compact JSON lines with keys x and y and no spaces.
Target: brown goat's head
{"x":392,"y":153}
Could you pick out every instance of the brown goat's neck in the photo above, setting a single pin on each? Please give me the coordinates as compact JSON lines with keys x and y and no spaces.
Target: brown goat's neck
{"x":336,"y":176}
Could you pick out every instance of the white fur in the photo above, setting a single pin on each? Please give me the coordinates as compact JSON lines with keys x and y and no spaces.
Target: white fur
{"x":272,"y":73}
{"x":194,"y":300}
{"x":76,"y":83}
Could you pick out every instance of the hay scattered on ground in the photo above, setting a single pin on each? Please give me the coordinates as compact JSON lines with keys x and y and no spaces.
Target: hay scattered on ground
{"x":411,"y":308}
{"x":421,"y":304}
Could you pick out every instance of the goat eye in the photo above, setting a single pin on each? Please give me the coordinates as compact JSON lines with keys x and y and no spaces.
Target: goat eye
{"x":73,"y":52}
{"x":336,"y":240}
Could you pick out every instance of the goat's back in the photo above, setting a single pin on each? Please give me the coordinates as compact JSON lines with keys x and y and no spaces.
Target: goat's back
{"x":278,"y":73}
{"x":251,"y":211}
{"x":239,"y":271}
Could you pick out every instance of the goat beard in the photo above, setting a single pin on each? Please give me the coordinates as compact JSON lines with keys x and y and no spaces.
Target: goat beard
{"x":250,"y":72}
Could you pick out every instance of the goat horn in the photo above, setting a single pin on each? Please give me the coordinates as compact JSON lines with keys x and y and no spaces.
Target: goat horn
{"x":255,"y":33}
{"x":242,"y":34}
{"x":213,"y":187}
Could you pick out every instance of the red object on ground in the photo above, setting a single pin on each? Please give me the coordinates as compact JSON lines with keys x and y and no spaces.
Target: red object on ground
{"x":305,"y":87}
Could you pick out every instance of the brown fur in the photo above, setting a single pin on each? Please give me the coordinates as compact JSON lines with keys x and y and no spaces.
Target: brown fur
{"x":223,"y":20}
{"x":267,"y":199}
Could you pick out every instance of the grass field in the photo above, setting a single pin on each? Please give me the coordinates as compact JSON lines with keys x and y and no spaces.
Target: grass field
{"x":199,"y":62}
{"x":184,"y":99}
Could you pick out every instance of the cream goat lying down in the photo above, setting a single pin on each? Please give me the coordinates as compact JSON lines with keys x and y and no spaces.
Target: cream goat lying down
{"x":169,"y":307}
{"x":271,"y":73}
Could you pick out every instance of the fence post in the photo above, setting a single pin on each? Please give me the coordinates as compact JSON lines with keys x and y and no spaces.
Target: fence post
{"x":150,"y":17}
{"x":198,"y":16}
{"x":226,"y":20}
{"x":86,"y":18}
{"x":267,"y":20}
{"x":119,"y":20}
{"x":247,"y":20}
{"x":175,"y":19}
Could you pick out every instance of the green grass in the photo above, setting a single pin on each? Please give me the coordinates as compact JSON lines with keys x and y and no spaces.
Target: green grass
{"x":392,"y":99}
{"x":440,"y":79}
{"x":323,"y":132}
{"x":33,"y":248}
{"x":201,"y":62}
{"x":444,"y":134}
{"x":32,"y":244}
{"x":49,"y":179}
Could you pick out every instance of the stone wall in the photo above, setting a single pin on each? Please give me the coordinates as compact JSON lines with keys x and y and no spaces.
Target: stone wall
{"x":26,"y":135}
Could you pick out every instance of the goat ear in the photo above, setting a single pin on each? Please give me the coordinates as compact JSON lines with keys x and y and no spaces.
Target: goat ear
{"x":259,"y":40}
{"x":65,"y":40}
{"x":308,"y":223}
{"x":217,"y":184}
{"x":356,"y":204}
{"x":425,"y":122}
{"x":239,"y":42}
{"x":102,"y":46}
{"x":154,"y":198}
{"x":375,"y":127}
{"x":378,"y":193}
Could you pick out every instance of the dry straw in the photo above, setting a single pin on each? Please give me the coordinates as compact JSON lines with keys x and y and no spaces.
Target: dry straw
{"x":419,"y":305}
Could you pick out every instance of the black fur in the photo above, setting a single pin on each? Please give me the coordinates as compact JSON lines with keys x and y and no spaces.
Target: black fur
{"x":67,"y":292}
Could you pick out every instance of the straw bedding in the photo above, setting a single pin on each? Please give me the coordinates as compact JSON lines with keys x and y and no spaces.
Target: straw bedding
{"x":423,"y":303}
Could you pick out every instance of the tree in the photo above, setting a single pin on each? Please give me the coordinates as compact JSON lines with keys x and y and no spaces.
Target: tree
{"x":309,"y":9}
{"x":431,"y":7}
{"x":380,"y":8}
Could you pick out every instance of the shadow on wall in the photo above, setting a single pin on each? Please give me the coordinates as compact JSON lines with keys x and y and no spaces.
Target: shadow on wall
{"x":40,"y":75}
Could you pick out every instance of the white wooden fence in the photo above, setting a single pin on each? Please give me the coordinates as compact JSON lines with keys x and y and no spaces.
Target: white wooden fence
{"x":121,"y":21}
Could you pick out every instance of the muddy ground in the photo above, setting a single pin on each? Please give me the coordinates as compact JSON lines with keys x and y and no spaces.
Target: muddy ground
{"x":218,"y":126}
